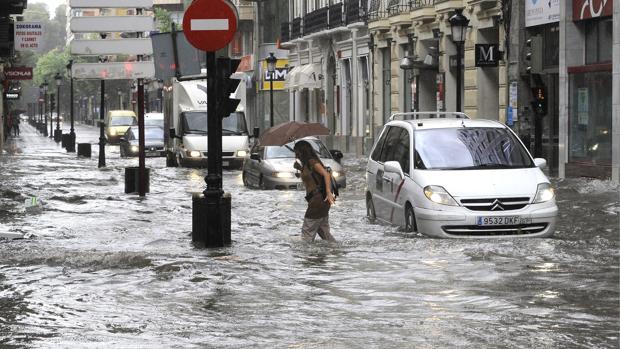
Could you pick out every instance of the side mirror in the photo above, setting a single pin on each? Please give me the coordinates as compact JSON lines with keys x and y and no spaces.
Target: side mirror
{"x":173,"y":133}
{"x":540,"y":163}
{"x":255,"y":156}
{"x":255,"y":132}
{"x":393,"y":167}
{"x":336,"y":154}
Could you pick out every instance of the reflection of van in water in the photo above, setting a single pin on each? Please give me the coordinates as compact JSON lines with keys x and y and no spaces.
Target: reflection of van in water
{"x":117,"y":122}
{"x":188,"y":119}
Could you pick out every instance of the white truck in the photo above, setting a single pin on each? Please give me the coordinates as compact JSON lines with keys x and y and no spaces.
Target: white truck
{"x":186,"y":118}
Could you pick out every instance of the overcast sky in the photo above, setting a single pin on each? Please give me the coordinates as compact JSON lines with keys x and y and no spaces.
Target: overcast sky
{"x":51,"y":4}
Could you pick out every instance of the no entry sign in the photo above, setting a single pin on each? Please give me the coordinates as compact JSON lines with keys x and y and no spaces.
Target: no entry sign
{"x":210,"y":25}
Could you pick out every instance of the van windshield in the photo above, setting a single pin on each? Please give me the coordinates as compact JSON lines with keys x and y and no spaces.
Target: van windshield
{"x":469,"y":148}
{"x":123,"y":121}
{"x":196,"y":122}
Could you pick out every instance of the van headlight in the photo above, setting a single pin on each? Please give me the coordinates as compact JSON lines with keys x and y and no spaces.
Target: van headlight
{"x":439,"y":195}
{"x":336,"y":174}
{"x":544,"y":193}
{"x":134,"y":148}
{"x":242,"y":153}
{"x":194,"y":153}
{"x":112,"y":132}
{"x":283,"y":174}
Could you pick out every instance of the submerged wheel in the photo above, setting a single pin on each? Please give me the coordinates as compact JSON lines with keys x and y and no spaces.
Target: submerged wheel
{"x":410,"y":223}
{"x":370,"y":209}
{"x":261,"y":183}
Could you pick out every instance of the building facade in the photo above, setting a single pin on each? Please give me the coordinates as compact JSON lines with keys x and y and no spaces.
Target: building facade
{"x":589,"y":134}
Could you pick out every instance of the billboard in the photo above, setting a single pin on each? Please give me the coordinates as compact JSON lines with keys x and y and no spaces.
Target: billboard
{"x":538,"y":12}
{"x":28,"y":35}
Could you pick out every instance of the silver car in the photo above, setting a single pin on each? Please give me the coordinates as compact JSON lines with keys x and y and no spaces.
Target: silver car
{"x":271,"y":167}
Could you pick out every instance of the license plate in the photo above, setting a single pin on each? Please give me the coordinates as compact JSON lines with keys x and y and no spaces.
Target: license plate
{"x":503,"y":220}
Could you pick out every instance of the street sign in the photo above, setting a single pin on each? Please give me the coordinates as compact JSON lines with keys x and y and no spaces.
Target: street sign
{"x":28,"y":35}
{"x":18,"y":73}
{"x":88,"y":24}
{"x":111,"y":3}
{"x":113,"y":70}
{"x":139,"y":46}
{"x":189,"y":58}
{"x":210,"y":25}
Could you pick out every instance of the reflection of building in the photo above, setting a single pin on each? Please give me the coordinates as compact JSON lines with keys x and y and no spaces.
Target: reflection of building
{"x":329,"y":79}
{"x":590,"y":89}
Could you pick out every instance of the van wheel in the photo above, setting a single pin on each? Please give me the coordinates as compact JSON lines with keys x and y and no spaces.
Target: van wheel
{"x":370,"y":209}
{"x":261,"y":183}
{"x":410,"y":223}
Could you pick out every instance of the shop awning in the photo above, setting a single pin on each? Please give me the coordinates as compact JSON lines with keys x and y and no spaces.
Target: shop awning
{"x":304,"y":76}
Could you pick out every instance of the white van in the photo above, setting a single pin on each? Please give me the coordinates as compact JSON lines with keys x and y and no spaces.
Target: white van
{"x":445,"y":175}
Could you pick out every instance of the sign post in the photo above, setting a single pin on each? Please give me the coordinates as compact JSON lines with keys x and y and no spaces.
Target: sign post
{"x":209,"y":25}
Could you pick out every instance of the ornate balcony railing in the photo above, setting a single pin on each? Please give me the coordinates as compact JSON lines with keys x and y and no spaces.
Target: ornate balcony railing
{"x":316,"y":21}
{"x":335,"y":16}
{"x":396,"y":7}
{"x":416,"y":4}
{"x":377,"y":10}
{"x":285,"y":31}
{"x":355,"y":11}
{"x":296,"y":28}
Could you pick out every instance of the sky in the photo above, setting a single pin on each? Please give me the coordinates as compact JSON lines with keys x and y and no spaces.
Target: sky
{"x":51,"y":4}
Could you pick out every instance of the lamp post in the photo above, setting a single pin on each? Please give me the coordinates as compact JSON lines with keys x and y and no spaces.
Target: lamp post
{"x":44,"y":85}
{"x":120,"y":99}
{"x":271,"y":68}
{"x":71,"y":141}
{"x":58,"y":131}
{"x":458,"y":27}
{"x":40,"y":108}
{"x":406,"y":64}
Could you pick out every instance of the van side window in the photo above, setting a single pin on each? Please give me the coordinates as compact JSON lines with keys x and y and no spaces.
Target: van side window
{"x":376,"y":154}
{"x":401,"y":151}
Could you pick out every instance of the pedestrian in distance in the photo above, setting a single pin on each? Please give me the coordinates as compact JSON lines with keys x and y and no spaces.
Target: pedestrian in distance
{"x":317,"y":181}
{"x":8,"y":126}
{"x":16,"y":127}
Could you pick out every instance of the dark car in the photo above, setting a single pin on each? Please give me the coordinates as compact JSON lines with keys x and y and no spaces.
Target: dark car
{"x":153,"y":142}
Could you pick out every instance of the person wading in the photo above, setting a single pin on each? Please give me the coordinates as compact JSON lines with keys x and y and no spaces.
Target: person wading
{"x":314,"y":176}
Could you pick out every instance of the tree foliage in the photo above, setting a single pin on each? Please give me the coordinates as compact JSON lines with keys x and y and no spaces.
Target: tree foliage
{"x":164,"y":21}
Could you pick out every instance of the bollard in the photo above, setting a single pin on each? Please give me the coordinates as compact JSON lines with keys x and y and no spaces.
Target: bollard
{"x":132,"y":180}
{"x":211,"y":220}
{"x":84,"y":150}
{"x":64,"y":140}
{"x":57,"y":135}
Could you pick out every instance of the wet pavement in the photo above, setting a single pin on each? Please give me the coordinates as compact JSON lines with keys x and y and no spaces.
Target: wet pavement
{"x":100,"y":268}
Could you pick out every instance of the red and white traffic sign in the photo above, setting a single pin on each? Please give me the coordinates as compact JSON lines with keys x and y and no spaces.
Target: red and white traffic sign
{"x":210,"y":25}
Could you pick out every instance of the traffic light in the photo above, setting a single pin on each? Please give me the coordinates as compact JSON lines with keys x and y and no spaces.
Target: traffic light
{"x":52,"y":102}
{"x":539,"y":104}
{"x":225,"y":86}
{"x":533,"y":55}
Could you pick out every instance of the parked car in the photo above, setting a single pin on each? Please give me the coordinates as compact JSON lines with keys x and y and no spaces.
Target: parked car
{"x":117,"y":122}
{"x":451,"y":176}
{"x":153,"y":142}
{"x":271,"y":167}
{"x":154,"y":119}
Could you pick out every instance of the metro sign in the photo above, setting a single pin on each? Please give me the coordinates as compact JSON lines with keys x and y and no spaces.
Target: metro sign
{"x":209,"y":25}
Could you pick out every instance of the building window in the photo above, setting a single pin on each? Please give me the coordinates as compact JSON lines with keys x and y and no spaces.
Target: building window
{"x":599,"y":41}
{"x":551,"y":55}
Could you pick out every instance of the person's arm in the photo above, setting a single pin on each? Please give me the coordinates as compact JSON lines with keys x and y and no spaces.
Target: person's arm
{"x":329,"y":196}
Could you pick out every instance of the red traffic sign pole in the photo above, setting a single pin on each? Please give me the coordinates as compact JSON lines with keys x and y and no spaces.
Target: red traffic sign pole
{"x":209,"y":25}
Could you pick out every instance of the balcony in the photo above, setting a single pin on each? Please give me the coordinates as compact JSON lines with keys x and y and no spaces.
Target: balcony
{"x":335,"y":16}
{"x":398,"y":11}
{"x":355,"y":11}
{"x":285,"y":32}
{"x":423,"y":10}
{"x":296,"y":28}
{"x":316,"y":21}
{"x":377,"y":11}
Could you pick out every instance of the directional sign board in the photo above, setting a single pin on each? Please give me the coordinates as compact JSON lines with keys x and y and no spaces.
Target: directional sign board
{"x":111,"y":3}
{"x":88,"y":24}
{"x":210,"y":25}
{"x":137,"y":46}
{"x":113,"y":71}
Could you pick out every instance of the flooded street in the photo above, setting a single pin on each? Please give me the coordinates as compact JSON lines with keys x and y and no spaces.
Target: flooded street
{"x":100,"y":268}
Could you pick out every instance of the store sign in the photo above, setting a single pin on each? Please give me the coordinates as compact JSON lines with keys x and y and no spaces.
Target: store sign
{"x":28,"y":35}
{"x":487,"y":55}
{"x":538,"y":12}
{"x":11,"y":95}
{"x":18,"y":73}
{"x":279,"y":76}
{"x":587,"y":9}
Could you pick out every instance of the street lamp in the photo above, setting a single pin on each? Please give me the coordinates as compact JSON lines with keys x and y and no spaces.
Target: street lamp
{"x":271,"y":68}
{"x":120,"y":98}
{"x":407,"y":65}
{"x":71,"y":141}
{"x":40,"y":108}
{"x":58,"y":131}
{"x":458,"y":27}
{"x":45,"y":84}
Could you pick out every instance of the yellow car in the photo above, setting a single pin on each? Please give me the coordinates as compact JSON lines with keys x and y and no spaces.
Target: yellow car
{"x":117,"y":122}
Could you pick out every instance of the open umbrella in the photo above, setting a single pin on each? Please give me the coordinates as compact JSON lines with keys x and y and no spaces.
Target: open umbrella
{"x":291,"y":131}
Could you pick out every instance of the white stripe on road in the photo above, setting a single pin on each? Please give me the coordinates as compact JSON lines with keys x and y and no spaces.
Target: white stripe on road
{"x":209,"y":24}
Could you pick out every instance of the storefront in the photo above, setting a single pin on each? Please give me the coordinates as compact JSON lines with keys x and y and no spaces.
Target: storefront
{"x":590,"y":90}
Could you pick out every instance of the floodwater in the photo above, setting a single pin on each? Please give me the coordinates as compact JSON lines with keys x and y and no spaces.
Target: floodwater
{"x":98,"y":268}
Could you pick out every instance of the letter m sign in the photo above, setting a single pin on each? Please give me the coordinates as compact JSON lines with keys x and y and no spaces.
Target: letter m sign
{"x":487,"y":55}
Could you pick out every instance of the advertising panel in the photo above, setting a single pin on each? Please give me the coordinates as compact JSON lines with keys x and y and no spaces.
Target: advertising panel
{"x":28,"y":36}
{"x":538,"y":12}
